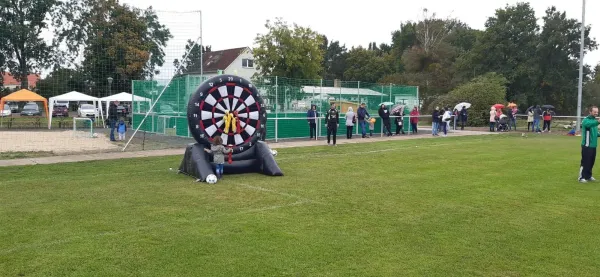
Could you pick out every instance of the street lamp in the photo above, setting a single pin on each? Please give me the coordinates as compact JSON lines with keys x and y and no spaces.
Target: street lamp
{"x":110,"y":79}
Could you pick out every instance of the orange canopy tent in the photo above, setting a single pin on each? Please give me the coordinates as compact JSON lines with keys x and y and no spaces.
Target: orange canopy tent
{"x":24,"y":96}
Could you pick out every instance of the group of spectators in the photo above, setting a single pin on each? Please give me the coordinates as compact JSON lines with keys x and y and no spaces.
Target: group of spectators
{"x":535,"y":116}
{"x":362,"y":118}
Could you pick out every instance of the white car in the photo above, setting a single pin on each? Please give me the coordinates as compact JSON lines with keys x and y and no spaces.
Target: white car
{"x":6,"y":111}
{"x":87,"y":110}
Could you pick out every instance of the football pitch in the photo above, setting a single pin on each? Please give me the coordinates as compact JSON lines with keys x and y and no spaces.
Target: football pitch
{"x":496,"y":205}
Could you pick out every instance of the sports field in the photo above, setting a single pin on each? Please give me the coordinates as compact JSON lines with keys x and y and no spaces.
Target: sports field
{"x":495,"y":205}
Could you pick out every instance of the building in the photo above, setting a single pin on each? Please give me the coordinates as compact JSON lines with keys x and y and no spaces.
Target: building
{"x":236,"y":61}
{"x":10,"y":82}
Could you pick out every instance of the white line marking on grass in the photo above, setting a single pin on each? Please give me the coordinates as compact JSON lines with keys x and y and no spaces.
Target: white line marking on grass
{"x":275,"y":207}
{"x":280,"y":193}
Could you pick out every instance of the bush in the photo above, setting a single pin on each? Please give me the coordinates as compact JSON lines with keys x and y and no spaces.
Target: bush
{"x":482,"y":92}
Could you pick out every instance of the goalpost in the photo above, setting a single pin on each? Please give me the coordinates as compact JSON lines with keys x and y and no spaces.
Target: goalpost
{"x":197,"y":43}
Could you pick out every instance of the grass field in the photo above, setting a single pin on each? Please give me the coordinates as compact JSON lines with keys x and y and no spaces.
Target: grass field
{"x":471,"y":206}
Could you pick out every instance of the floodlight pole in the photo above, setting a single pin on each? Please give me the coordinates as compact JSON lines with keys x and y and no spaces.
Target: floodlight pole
{"x":580,"y":86}
{"x":201,"y":50}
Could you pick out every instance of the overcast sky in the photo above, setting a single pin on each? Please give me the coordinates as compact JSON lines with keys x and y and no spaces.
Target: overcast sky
{"x":235,"y":23}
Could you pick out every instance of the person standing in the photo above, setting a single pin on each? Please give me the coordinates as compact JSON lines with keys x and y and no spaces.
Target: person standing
{"x":362,"y":114}
{"x":400,"y":122}
{"x":537,"y":116}
{"x":446,"y":118}
{"x":547,"y":115}
{"x":350,"y":120}
{"x":384,"y":114}
{"x":492,"y":119}
{"x":463,"y":117}
{"x":530,"y":120}
{"x":513,"y":118}
{"x":333,"y":122}
{"x":311,"y":116}
{"x":589,"y":141}
{"x":435,"y":121}
{"x":113,"y":116}
{"x":414,"y":120}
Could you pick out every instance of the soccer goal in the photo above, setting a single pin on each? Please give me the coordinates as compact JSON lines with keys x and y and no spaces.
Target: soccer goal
{"x":88,"y":127}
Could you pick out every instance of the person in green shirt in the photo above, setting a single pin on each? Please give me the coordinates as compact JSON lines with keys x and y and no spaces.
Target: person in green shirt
{"x":589,"y":141}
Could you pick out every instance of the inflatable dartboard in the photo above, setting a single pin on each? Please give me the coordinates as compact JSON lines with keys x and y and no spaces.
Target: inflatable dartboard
{"x":230,"y":107}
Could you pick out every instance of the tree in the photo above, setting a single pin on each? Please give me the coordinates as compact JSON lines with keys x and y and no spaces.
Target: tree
{"x":558,"y":60}
{"x":193,"y":61}
{"x":334,"y":60}
{"x":22,"y":49}
{"x":119,"y":41}
{"x":289,"y":51}
{"x":61,"y":80}
{"x":482,"y":92}
{"x":365,"y":65}
{"x":402,"y":40}
{"x":508,"y":46}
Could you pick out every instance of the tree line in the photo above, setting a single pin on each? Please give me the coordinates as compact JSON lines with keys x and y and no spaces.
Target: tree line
{"x":94,"y":40}
{"x":534,"y":63}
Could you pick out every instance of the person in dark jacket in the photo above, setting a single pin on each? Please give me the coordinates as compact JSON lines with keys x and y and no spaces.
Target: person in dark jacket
{"x":537,"y":117}
{"x":435,"y":120}
{"x":399,"y":122}
{"x":384,"y":114}
{"x":362,"y":115}
{"x":113,"y":117}
{"x":332,"y":120}
{"x":463,"y":117}
{"x":311,"y":116}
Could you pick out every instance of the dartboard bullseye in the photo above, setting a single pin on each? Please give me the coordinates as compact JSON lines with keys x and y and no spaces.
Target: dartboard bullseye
{"x":230,"y":107}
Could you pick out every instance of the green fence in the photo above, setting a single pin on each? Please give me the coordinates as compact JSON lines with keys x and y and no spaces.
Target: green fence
{"x":286,"y":100}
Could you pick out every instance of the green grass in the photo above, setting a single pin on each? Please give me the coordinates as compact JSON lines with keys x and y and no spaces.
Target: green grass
{"x":472,"y":206}
{"x":24,"y":155}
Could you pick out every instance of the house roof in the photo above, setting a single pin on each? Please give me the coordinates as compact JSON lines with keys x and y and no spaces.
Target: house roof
{"x":220,"y":59}
{"x":10,"y":80}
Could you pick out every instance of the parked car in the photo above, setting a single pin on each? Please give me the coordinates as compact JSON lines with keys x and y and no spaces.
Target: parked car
{"x":6,"y":111}
{"x":31,"y":109}
{"x":60,"y":111}
{"x":14,"y":106}
{"x":87,"y":110}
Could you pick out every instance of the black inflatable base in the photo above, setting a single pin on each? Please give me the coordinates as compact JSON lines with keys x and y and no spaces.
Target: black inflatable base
{"x":258,"y":159}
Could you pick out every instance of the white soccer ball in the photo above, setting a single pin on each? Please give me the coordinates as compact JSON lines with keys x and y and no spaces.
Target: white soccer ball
{"x":95,"y":135}
{"x":274,"y":152}
{"x":211,"y":179}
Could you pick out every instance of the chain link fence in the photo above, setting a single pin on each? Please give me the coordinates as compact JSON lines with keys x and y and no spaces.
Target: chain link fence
{"x":286,"y":101}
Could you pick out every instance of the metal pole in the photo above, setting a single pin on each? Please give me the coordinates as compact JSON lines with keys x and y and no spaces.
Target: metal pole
{"x":276,"y":107}
{"x":201,"y":51}
{"x":390,"y":92}
{"x":358,"y":105}
{"x":581,"y":47}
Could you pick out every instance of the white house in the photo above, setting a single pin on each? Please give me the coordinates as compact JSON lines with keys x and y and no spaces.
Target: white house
{"x":236,"y":61}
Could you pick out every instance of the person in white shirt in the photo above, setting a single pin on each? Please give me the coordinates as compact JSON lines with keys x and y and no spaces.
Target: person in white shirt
{"x":446,"y":118}
{"x":350,"y":120}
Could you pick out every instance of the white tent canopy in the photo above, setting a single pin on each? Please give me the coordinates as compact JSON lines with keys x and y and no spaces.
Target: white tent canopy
{"x":123,"y":97}
{"x":71,"y":96}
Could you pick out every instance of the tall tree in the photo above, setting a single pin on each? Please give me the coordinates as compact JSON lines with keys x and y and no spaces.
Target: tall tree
{"x":289,"y":51}
{"x":22,"y":49}
{"x":119,"y":41}
{"x":508,"y":46}
{"x":193,"y":61}
{"x":365,"y":65}
{"x":558,"y":58}
{"x":334,"y":61}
